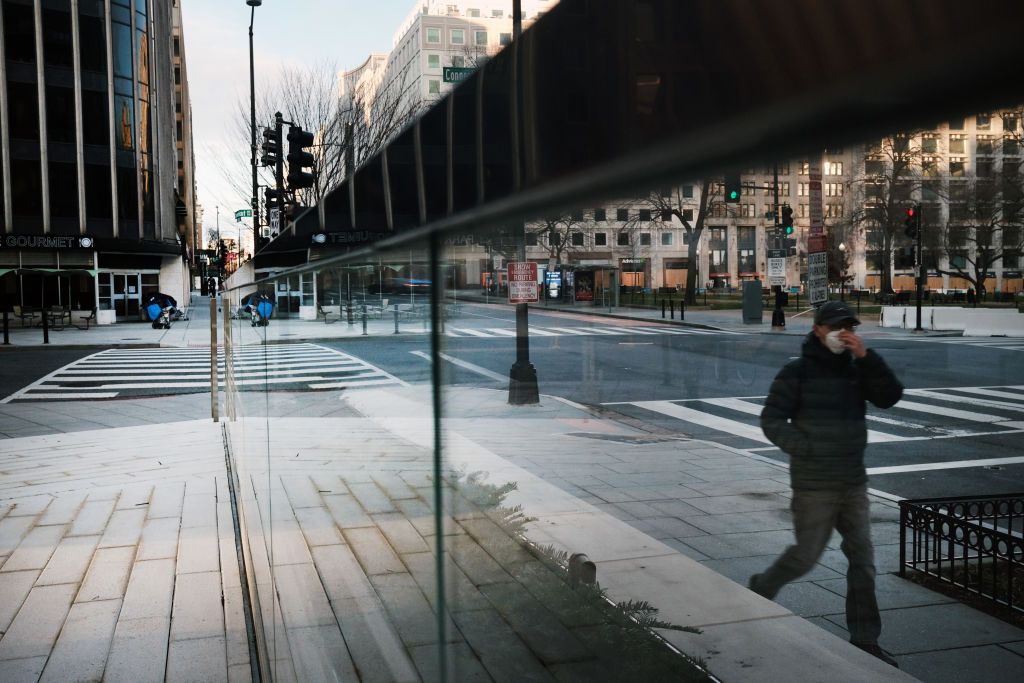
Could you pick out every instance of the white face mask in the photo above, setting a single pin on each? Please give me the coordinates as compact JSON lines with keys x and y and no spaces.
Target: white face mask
{"x":834,"y":343}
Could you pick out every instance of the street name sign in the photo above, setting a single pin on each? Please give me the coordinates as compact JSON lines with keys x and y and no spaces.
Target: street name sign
{"x":776,"y":272}
{"x":522,"y":282}
{"x":243,"y":213}
{"x":455,"y":74}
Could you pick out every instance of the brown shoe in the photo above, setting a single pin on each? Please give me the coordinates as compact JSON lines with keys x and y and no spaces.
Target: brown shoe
{"x":876,"y":651}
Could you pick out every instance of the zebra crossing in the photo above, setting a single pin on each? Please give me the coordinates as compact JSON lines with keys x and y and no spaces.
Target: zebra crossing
{"x":127,"y":373}
{"x":583,"y":331}
{"x":1006,"y":343}
{"x":921,"y":415}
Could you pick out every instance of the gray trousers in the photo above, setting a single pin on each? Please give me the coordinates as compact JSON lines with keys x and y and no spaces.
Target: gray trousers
{"x":815,"y":514}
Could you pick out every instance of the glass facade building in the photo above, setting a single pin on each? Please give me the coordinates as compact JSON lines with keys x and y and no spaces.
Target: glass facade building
{"x":88,"y":153}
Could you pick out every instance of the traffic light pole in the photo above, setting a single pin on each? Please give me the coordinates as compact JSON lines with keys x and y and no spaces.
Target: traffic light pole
{"x":279,"y":169}
{"x":778,"y":316}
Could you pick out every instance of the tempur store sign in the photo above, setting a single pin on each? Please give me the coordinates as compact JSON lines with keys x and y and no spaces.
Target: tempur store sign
{"x":46,"y":242}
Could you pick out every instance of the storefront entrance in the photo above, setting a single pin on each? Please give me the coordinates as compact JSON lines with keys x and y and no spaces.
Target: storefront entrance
{"x":124,"y":293}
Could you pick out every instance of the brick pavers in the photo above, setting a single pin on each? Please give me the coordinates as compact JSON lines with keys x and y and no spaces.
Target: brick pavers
{"x":110,"y":562}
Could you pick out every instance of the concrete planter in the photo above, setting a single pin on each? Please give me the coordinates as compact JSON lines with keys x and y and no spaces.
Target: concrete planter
{"x":106,"y":317}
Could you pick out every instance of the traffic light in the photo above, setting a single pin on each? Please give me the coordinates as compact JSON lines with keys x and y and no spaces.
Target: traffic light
{"x":732,"y":188}
{"x":271,"y":200}
{"x":299,"y":158}
{"x":271,"y":147}
{"x":913,"y":222}
{"x":786,"y":219}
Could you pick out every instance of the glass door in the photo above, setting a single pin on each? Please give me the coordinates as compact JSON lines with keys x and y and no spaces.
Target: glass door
{"x":122,"y":293}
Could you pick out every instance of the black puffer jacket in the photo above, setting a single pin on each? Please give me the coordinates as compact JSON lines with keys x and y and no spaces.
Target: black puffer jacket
{"x":815,"y":413}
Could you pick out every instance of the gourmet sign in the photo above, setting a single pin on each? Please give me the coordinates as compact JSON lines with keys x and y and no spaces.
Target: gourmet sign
{"x":46,"y":242}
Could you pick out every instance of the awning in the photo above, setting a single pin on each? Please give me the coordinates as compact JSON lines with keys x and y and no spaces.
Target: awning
{"x":49,"y":271}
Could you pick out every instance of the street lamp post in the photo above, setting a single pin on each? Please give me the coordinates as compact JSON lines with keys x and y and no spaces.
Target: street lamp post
{"x":842,"y":271}
{"x":255,"y":203}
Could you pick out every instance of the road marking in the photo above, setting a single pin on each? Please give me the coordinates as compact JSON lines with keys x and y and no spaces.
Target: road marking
{"x":991,"y":392}
{"x":952,"y":398}
{"x":704,"y":419}
{"x":754,"y":409}
{"x":947,"y":412}
{"x":542,"y":332}
{"x":502,"y":333}
{"x":463,"y":364}
{"x":475,"y":333}
{"x":958,"y":464}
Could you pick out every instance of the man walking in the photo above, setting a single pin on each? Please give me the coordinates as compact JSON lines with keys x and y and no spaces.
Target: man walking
{"x":815,"y":413}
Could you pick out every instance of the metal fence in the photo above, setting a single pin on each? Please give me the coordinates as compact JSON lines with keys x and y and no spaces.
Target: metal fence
{"x":974,"y":543}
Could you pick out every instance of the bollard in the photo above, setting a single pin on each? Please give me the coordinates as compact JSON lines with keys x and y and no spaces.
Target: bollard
{"x":682,"y":309}
{"x":350,"y":321}
{"x":7,"y":334}
{"x":396,"y":318}
{"x":705,"y":297}
{"x":798,"y":301}
{"x":364,"y":320}
{"x":663,"y":308}
{"x":213,"y":359}
{"x":46,"y":327}
{"x":672,"y":310}
{"x":581,"y":570}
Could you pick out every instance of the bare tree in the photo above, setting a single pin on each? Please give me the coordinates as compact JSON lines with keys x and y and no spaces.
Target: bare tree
{"x":892,"y":177}
{"x":983,"y":227}
{"x":670,"y":202}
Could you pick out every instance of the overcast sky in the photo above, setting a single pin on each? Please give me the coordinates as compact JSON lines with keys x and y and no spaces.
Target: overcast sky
{"x":286,"y":32}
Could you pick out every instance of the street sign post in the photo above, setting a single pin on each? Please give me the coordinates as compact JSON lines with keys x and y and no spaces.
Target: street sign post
{"x":455,"y":74}
{"x":243,"y":213}
{"x":776,"y":271}
{"x":522,"y":282}
{"x":817,"y":263}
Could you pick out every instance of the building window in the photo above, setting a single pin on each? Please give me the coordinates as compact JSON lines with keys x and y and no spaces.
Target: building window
{"x":833,"y":211}
{"x":472,"y":12}
{"x":930,"y":166}
{"x":930,"y":143}
{"x":177,"y":46}
{"x":434,"y":86}
{"x":801,"y":189}
{"x":531,"y":239}
{"x":600,"y":215}
{"x":984,"y":168}
{"x":480,"y":37}
{"x":833,"y":168}
{"x":747,"y":210}
{"x":956,"y":144}
{"x":957,"y":166}
{"x":177,"y":75}
{"x":576,"y":215}
{"x":687,"y":191}
{"x":645,"y":239}
{"x":622,"y":215}
{"x":433,"y":35}
{"x":1011,"y":259}
{"x":433,"y":61}
{"x":747,"y":189}
{"x":504,"y":38}
{"x":687,"y":215}
{"x":805,"y":167}
{"x":801,"y":210}
{"x":577,"y":239}
{"x":645,"y":214}
{"x":1010,"y":145}
{"x":666,"y":215}
{"x":623,"y":239}
{"x":956,"y":124}
{"x":1010,"y":122}
{"x":833,"y":189}
{"x":178,"y":130}
{"x":458,"y":36}
{"x":458,"y":61}
{"x":769,"y":191}
{"x":666,"y":239}
{"x":497,"y":13}
{"x":984,"y":144}
{"x":983,"y":121}
{"x":600,"y":239}
{"x":783,"y":168}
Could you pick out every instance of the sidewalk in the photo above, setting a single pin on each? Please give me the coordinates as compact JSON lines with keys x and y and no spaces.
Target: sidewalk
{"x":101,"y":528}
{"x":195,"y":332}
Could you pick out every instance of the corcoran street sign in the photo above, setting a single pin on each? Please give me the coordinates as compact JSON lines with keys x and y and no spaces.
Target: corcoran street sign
{"x":243,"y":213}
{"x":522,"y":282}
{"x":455,"y":74}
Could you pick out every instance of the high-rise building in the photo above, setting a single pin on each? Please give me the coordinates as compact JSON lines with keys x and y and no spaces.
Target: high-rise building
{"x":90,"y":184}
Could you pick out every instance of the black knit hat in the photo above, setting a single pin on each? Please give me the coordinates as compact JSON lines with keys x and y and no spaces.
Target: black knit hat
{"x":834,"y":312}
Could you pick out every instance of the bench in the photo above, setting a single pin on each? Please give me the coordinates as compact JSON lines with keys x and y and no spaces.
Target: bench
{"x":327,"y":315}
{"x":91,"y":318}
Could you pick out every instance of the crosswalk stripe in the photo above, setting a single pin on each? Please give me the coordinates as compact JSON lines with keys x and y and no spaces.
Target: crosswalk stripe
{"x":472,"y":333}
{"x":722,"y":424}
{"x":570,"y":330}
{"x":1002,"y":405}
{"x":754,"y":409}
{"x":502,"y":333}
{"x":991,"y":392}
{"x":947,"y":412}
{"x":542,"y":332}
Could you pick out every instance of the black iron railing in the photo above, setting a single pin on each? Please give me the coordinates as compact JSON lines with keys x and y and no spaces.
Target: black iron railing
{"x":974,"y":543}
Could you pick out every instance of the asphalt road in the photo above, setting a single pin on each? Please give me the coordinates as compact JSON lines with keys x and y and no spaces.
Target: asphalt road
{"x":706,"y":385}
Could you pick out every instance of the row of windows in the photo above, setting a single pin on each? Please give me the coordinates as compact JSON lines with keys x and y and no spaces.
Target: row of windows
{"x":600,"y":239}
{"x":457,"y":36}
